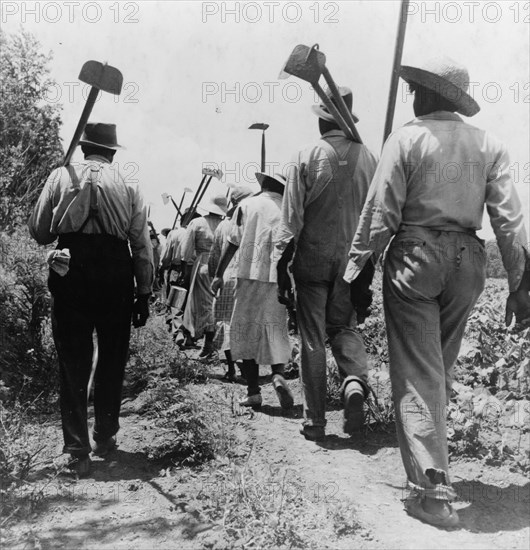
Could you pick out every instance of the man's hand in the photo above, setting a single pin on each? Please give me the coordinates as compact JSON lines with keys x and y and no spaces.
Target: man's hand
{"x":285,"y":291}
{"x":284,"y":286}
{"x":217,"y":285}
{"x":140,"y":310}
{"x":360,"y":293}
{"x":518,"y":305}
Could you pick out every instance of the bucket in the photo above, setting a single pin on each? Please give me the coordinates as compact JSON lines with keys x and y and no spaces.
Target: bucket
{"x":176,"y":297}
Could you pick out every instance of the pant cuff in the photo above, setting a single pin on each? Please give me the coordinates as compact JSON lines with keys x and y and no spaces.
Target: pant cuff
{"x":77,"y":452}
{"x":437,"y":492}
{"x":314,"y":423}
{"x":351,"y":378}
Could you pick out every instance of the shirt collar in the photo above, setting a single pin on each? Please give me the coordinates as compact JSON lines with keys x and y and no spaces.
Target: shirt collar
{"x":440,"y":115}
{"x":334,"y":133}
{"x":99,"y":158}
{"x":271,"y":193}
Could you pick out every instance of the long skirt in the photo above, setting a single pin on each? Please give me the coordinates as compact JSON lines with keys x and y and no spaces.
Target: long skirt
{"x":258,"y":329}
{"x":198,"y":315}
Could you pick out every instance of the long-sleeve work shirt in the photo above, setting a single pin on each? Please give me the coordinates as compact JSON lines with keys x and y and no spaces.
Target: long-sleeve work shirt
{"x":64,"y":205}
{"x":438,"y":172}
{"x":325,"y":191}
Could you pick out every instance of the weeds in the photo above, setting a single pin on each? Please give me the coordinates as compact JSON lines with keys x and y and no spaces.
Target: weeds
{"x":153,"y":355}
{"x":190,"y":427}
{"x":260,"y":509}
{"x":19,"y":455}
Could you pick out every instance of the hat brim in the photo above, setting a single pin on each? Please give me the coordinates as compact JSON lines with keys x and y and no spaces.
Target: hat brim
{"x":463,"y":102}
{"x":261,"y":176}
{"x":319,"y":111}
{"x":214,"y":209}
{"x":111,"y":147}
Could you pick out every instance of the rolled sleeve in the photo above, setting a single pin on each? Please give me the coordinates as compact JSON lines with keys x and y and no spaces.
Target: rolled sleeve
{"x":506,"y":216}
{"x":382,"y":211}
{"x":141,"y":249}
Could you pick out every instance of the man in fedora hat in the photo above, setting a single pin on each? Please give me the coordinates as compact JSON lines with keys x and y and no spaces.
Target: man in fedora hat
{"x":196,"y":245}
{"x":325,"y":192}
{"x":435,"y":175}
{"x":258,"y":328}
{"x":96,"y":216}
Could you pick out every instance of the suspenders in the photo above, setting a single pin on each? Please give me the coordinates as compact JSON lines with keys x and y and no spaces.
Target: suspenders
{"x":93,"y":211}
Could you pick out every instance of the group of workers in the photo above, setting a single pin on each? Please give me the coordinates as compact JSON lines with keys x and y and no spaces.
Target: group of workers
{"x":323,"y":226}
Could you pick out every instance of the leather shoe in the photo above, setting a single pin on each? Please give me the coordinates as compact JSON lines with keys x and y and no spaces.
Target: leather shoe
{"x":103,"y":448}
{"x":447,"y":517}
{"x":283,"y":392}
{"x":80,"y":465}
{"x":313,"y":433}
{"x":353,"y":408}
{"x":252,"y":401}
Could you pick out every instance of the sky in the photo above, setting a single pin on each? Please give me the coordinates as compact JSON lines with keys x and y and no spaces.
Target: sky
{"x":197,"y":74}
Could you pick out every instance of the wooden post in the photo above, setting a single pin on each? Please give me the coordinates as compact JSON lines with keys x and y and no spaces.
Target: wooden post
{"x":394,"y":80}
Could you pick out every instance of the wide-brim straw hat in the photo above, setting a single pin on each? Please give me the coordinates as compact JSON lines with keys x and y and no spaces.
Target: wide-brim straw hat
{"x":216,"y":205}
{"x":101,"y":135}
{"x":447,"y":78}
{"x":322,"y":111}
{"x":240,"y":192}
{"x":261,"y":177}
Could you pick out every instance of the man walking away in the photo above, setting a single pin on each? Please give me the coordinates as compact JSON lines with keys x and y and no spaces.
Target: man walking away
{"x":435,"y":267}
{"x":325,"y":192}
{"x":96,"y":215}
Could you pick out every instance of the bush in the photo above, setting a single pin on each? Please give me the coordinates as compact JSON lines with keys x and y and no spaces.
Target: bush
{"x":27,"y":354}
{"x":188,"y":428}
{"x":153,"y":354}
{"x":30,"y":146}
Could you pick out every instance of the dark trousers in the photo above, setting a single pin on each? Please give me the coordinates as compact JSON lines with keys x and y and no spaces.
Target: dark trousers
{"x":96,"y":293}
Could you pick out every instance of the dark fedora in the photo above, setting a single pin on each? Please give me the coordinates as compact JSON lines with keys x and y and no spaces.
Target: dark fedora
{"x":322,"y":111}
{"x":101,"y":135}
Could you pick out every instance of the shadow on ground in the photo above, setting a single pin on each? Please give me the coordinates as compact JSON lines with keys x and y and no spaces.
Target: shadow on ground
{"x":493,"y":508}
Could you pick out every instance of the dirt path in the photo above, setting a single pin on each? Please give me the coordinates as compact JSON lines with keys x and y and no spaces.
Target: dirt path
{"x":341,"y":493}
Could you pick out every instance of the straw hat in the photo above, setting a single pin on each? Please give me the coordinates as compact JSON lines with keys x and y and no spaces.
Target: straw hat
{"x":240,"y":192}
{"x":322,"y":111}
{"x":261,"y":177}
{"x":100,"y":134}
{"x":216,"y":205}
{"x":445,"y":77}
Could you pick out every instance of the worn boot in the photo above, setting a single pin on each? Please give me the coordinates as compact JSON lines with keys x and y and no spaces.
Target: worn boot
{"x":353,"y":407}
{"x":285,"y":396}
{"x":207,"y":348}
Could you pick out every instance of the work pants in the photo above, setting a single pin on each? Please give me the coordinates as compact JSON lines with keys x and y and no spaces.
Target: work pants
{"x":323,"y":310}
{"x":432,"y":280}
{"x":96,"y":293}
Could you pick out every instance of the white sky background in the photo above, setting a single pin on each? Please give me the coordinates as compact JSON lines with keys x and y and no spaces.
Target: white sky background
{"x":179,"y":58}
